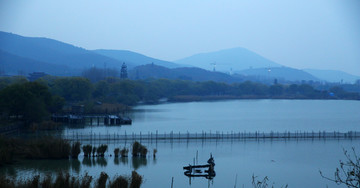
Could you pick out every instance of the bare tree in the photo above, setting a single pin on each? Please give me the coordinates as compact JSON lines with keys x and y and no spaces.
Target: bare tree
{"x":349,"y":172}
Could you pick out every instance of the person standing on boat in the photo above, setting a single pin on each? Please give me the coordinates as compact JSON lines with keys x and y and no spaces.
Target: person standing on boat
{"x":211,"y":161}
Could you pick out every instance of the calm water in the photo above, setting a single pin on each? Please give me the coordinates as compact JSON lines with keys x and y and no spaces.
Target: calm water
{"x":293,"y":162}
{"x":239,"y":115}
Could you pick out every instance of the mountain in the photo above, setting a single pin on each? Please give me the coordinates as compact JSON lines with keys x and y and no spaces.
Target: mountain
{"x":53,"y":52}
{"x":234,"y":59}
{"x":280,"y":73}
{"x":333,"y":75}
{"x":14,"y":65}
{"x":185,"y":73}
{"x":134,"y":58}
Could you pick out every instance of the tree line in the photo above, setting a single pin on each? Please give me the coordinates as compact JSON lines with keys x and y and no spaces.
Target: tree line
{"x":36,"y":100}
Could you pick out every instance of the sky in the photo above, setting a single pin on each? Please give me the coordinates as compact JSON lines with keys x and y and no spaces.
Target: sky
{"x":318,"y":34}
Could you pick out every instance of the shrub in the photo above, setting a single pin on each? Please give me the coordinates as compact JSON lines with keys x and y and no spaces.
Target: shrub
{"x":139,"y":150}
{"x":47,"y":181}
{"x":62,"y":180}
{"x":47,"y":148}
{"x":136,"y":149}
{"x":75,"y":150}
{"x":101,"y":182}
{"x":136,"y":180}
{"x":65,"y":180}
{"x":32,"y":183}
{"x":116,"y":152}
{"x":87,"y":150}
{"x":6,"y":182}
{"x":86,"y":181}
{"x":143,"y":151}
{"x":119,"y":182}
{"x":101,"y":150}
{"x":124,"y":152}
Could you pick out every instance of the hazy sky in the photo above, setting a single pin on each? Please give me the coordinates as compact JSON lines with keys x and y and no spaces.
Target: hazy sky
{"x":322,"y":34}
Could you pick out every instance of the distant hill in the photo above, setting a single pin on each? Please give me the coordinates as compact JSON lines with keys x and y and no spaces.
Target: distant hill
{"x":14,"y":65}
{"x":53,"y":52}
{"x":236,"y":59}
{"x":186,"y":73}
{"x":280,"y":73}
{"x":134,"y":58}
{"x":333,"y":75}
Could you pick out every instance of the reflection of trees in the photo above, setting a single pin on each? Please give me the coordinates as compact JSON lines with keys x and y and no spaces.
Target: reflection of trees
{"x":48,"y":165}
{"x":116,"y":160}
{"x":122,"y":160}
{"x":41,"y":166}
{"x":137,"y":162}
{"x":87,"y":161}
{"x":75,"y":165}
{"x":101,"y":161}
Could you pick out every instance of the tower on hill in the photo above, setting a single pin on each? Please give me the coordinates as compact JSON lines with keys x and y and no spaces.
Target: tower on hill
{"x":123,"y":72}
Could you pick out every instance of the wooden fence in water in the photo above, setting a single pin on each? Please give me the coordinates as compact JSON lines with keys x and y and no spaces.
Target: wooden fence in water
{"x":150,"y":136}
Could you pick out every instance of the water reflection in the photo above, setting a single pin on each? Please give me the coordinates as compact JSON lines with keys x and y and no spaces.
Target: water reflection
{"x":122,"y":160}
{"x":87,"y":161}
{"x":42,"y":166}
{"x":92,"y":162}
{"x":137,"y":162}
{"x":75,"y":165}
{"x":116,"y":161}
{"x":101,"y":161}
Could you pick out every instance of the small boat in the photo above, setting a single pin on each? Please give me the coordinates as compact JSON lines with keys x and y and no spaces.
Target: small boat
{"x":206,"y":171}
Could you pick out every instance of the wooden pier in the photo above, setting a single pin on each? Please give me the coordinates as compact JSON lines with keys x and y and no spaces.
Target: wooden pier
{"x":77,"y":119}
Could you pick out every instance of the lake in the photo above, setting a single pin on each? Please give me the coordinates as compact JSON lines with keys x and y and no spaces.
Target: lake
{"x":295,"y":162}
{"x":238,"y":115}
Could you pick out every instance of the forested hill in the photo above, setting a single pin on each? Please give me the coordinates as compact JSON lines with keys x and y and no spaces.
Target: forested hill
{"x":280,"y":73}
{"x":134,"y":58}
{"x":333,"y":75}
{"x":185,"y":73}
{"x":52,"y":52}
{"x":14,"y":65}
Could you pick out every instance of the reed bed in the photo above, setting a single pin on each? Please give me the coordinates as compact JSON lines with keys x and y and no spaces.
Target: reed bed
{"x":65,"y":180}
